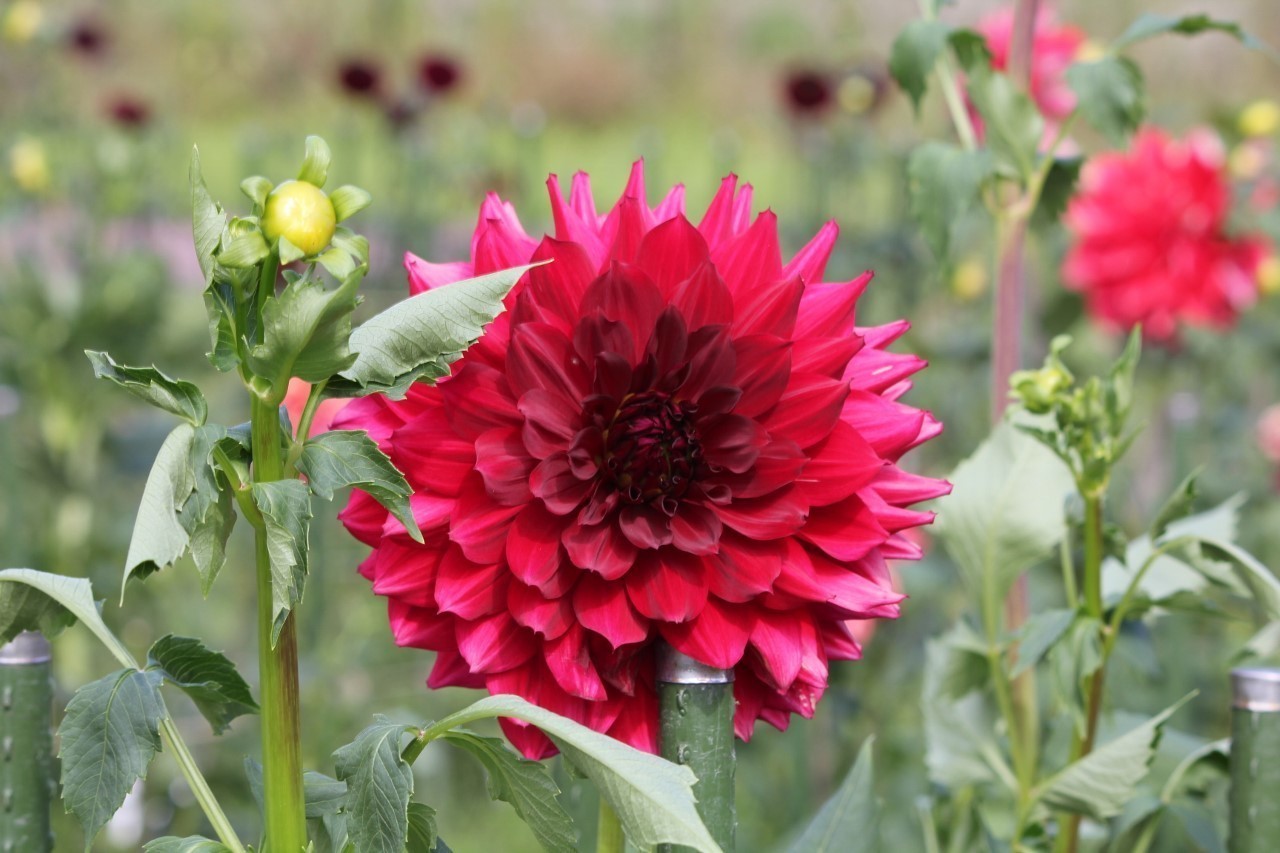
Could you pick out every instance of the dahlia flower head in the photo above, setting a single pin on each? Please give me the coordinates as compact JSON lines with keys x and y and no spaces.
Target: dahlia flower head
{"x":1150,"y":241}
{"x":670,"y":435}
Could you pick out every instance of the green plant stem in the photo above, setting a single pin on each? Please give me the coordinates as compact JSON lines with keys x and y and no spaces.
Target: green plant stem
{"x":1093,"y":555}
{"x":200,"y":787}
{"x":609,"y":835}
{"x":1069,"y":590}
{"x":283,"y":805}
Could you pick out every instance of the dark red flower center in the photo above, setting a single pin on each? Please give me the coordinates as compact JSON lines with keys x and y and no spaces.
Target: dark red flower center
{"x":651,"y":448}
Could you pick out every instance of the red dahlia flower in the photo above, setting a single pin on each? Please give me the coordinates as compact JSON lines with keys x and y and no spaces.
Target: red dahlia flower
{"x":1150,"y":242}
{"x":671,"y":435}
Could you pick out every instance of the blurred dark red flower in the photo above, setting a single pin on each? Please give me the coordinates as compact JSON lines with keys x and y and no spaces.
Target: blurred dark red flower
{"x":670,"y":435}
{"x":87,"y":38}
{"x":809,"y":92}
{"x":360,"y":77}
{"x":439,"y":74}
{"x":1150,"y":240}
{"x":128,"y":111}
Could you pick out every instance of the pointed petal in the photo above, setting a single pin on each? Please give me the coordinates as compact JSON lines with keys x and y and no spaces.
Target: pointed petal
{"x":479,"y":526}
{"x":810,"y":263}
{"x":743,"y":568}
{"x":839,"y":465}
{"x":846,"y":530}
{"x":827,"y":310}
{"x":469,"y":590}
{"x":717,"y":637}
{"x":478,"y":399}
{"x":431,"y":455}
{"x":533,"y":546}
{"x":547,"y":617}
{"x":494,"y":644}
{"x":779,"y":514}
{"x":762,"y":371}
{"x":808,"y":409}
{"x":671,"y":253}
{"x":504,"y":465}
{"x":752,"y":260}
{"x":570,"y":663}
{"x":768,"y":309}
{"x":424,"y":275}
{"x":604,"y":608}
{"x":600,"y":548}
{"x":553,"y":480}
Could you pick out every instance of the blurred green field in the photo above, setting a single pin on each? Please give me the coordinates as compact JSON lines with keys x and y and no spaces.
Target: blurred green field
{"x":96,"y":254}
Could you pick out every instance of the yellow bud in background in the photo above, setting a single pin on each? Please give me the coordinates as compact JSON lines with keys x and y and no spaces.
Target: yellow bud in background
{"x":1247,"y":160}
{"x":1090,"y":51}
{"x":29,"y":166}
{"x":22,"y":21}
{"x":969,"y":280}
{"x":1260,"y":118}
{"x":1269,"y":276}
{"x":856,"y":94}
{"x":302,"y":214}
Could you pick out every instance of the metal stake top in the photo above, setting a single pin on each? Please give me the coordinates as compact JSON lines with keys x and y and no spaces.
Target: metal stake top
{"x":678,"y":668}
{"x":29,"y":647}
{"x":1256,"y":689}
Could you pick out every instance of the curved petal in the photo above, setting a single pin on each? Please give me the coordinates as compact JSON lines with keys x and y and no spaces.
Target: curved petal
{"x":717,"y":637}
{"x":469,"y":590}
{"x":494,"y":644}
{"x":570,"y":663}
{"x":668,"y":586}
{"x":504,"y":465}
{"x":600,"y":548}
{"x":479,"y":526}
{"x":533,"y":545}
{"x":604,"y":608}
{"x":424,"y":275}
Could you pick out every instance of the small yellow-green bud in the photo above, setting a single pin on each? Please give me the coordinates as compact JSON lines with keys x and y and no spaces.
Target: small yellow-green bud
{"x":302,"y":214}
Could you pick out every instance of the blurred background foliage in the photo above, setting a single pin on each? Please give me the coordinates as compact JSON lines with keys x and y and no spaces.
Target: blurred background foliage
{"x":428,"y":105}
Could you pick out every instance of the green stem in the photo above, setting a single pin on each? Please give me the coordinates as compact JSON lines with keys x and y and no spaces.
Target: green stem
{"x":1068,"y":570}
{"x":1093,"y":555}
{"x":949,"y":83}
{"x":200,"y":788}
{"x":609,"y":835}
{"x":283,"y":805}
{"x":303,"y":428}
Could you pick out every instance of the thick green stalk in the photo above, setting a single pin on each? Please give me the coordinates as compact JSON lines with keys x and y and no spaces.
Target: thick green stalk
{"x":1255,"y":761}
{"x":283,"y":805}
{"x":609,"y":835}
{"x":26,"y":744}
{"x":696,"y":730}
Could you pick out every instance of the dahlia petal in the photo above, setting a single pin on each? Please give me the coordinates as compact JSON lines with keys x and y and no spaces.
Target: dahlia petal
{"x":839,"y":465}
{"x":452,"y":670}
{"x":596,"y":337}
{"x":431,"y":455}
{"x":718,"y":637}
{"x":763,"y":367}
{"x":777,"y":466}
{"x":604,"y":608}
{"x":717,"y":223}
{"x":533,"y":545}
{"x":600,"y":505}
{"x":846,"y":530}
{"x":827,"y":310}
{"x":748,"y":698}
{"x":419,"y":627}
{"x":541,"y":356}
{"x":752,"y":260}
{"x":364,"y":517}
{"x":808,"y":410}
{"x":549,"y":425}
{"x":846,"y":592}
{"x":570,"y":663}
{"x":825,"y":356}
{"x":890,"y":428}
{"x":469,"y":590}
{"x":668,"y":586}
{"x":779,"y":514}
{"x":547,"y":617}
{"x":424,"y":275}
{"x":669,"y":341}
{"x":585,"y":453}
{"x":576,"y":223}
{"x":838,"y":640}
{"x":626,"y":225}
{"x":431,"y":512}
{"x":558,"y":287}
{"x":768,"y":309}
{"x":494,"y":644}
{"x":695,"y":530}
{"x":405,"y":570}
{"x":479,"y":526}
{"x":600,"y":548}
{"x":810,"y":263}
{"x":478,"y":398}
{"x":374,"y":414}
{"x":743,"y":568}
{"x":777,"y":638}
{"x":711,"y":364}
{"x":742,"y":209}
{"x":703,"y":298}
{"x":732,"y":442}
{"x":644,"y":527}
{"x":581,"y":199}
{"x":901,"y":488}
{"x":671,"y":253}
{"x":553,"y":480}
{"x":625,"y":295}
{"x":500,"y":246}
{"x":877,"y":371}
{"x":504,"y":465}
{"x":637,"y":722}
{"x":670,"y":206}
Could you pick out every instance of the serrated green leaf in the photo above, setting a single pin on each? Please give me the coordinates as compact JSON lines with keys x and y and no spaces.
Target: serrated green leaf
{"x":1013,"y":124}
{"x":337,"y":262}
{"x":944,"y":183}
{"x":315,"y":164}
{"x":286,"y":511}
{"x":175,"y":396}
{"x":322,"y":795}
{"x":1005,"y":512}
{"x":970,"y":48}
{"x":348,"y":201}
{"x":340,"y":458}
{"x":424,"y":334}
{"x":960,"y":747}
{"x":1110,"y":94}
{"x":1177,"y":506}
{"x":1059,"y":186}
{"x":20,"y":612}
{"x":1038,"y":635}
{"x":190,"y":844}
{"x":108,"y":737}
{"x":915,"y":51}
{"x":1150,"y":24}
{"x":379,"y":784}
{"x":1072,"y":660}
{"x":208,"y":515}
{"x":159,"y":538}
{"x":257,"y":188}
{"x":208,"y":677}
{"x":652,"y":797}
{"x":220,"y":306}
{"x":1099,"y":784}
{"x":1252,"y":578}
{"x":526,"y":785}
{"x":849,"y":822}
{"x":207,"y":219}
{"x":422,"y":829}
{"x":305,"y":332}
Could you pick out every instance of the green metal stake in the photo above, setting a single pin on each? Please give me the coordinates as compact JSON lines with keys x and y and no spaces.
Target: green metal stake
{"x":696,"y":708}
{"x":26,"y":745}
{"x":1255,"y":760}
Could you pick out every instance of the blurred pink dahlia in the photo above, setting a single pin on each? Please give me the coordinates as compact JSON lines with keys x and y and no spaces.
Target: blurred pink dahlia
{"x":1150,"y":240}
{"x":670,"y":435}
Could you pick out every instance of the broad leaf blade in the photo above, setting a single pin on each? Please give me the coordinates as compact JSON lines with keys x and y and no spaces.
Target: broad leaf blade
{"x":526,"y":785}
{"x":915,"y":51}
{"x":322,"y":795}
{"x":1110,"y":93}
{"x":191,"y":844}
{"x":176,"y":396}
{"x":379,"y":784}
{"x":944,"y":182}
{"x":286,"y":512}
{"x":108,"y":738}
{"x":341,"y":458}
{"x":1039,"y":634}
{"x":63,"y":600}
{"x":207,"y":219}
{"x":1150,"y":25}
{"x":423,"y":335}
{"x":208,"y":677}
{"x":208,"y":515}
{"x":849,"y":821}
{"x":423,"y":835}
{"x":1013,"y":124}
{"x":159,"y":537}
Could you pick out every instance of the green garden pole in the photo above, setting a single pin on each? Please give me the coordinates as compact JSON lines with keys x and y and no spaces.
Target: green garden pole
{"x":696,"y":708}
{"x":1255,"y":761}
{"x":26,"y":745}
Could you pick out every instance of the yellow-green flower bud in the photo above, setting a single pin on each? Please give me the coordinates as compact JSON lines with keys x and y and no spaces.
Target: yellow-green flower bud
{"x":302,"y":214}
{"x":1039,"y":389}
